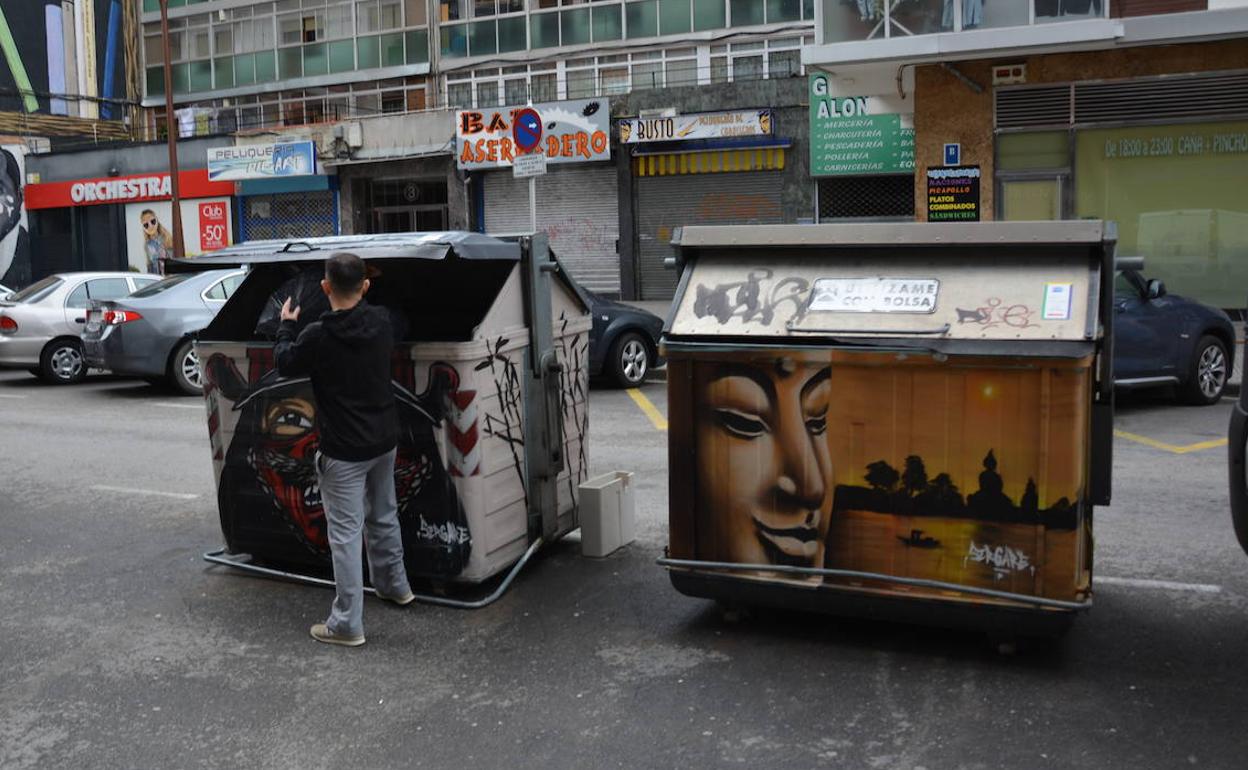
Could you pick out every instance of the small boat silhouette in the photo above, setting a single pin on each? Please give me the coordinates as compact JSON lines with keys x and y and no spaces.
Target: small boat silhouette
{"x":917,"y":540}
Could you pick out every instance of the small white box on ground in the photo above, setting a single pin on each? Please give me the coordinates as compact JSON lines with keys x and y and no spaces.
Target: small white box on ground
{"x":608,"y":519}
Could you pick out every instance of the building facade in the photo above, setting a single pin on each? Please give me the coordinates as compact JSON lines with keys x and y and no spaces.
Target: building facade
{"x":1135,"y":112}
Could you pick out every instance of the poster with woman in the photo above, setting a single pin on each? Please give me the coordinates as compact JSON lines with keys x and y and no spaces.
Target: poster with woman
{"x":149,"y":230}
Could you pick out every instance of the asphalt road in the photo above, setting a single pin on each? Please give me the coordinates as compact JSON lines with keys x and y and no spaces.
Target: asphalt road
{"x":120,"y":648}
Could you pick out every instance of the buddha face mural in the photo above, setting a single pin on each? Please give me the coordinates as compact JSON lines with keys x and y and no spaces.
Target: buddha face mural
{"x":764,"y":467}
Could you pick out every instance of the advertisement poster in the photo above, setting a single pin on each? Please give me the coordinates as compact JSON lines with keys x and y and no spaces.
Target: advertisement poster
{"x":14,"y":241}
{"x":149,"y":230}
{"x":569,"y":132}
{"x":261,"y":161}
{"x":857,"y":134}
{"x":953,"y":194}
{"x":706,"y":125}
{"x":45,"y":58}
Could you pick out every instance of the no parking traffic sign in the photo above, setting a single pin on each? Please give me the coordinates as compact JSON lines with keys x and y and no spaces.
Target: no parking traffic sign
{"x":526,"y":129}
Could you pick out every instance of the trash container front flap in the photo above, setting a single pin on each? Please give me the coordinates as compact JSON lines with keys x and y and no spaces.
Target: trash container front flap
{"x":807,"y":282}
{"x":805,"y":433}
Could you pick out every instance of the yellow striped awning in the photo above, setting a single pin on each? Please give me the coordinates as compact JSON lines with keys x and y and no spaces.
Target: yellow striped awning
{"x":710,"y":162}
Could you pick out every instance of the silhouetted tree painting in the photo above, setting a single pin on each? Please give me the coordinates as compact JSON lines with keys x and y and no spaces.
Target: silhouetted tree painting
{"x":910,"y":492}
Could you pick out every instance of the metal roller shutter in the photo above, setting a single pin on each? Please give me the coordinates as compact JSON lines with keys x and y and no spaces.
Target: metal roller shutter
{"x":668,"y":202}
{"x":577,"y":207}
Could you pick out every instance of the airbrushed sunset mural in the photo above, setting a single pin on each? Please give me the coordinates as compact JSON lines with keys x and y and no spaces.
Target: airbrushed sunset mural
{"x":969,"y":470}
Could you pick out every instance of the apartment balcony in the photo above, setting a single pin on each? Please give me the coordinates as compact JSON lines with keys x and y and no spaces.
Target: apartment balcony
{"x":866,"y":32}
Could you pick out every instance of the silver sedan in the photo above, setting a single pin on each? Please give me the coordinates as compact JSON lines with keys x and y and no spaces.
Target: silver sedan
{"x":40,"y":326}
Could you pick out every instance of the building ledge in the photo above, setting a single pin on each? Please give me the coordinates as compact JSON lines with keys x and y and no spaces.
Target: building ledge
{"x":1055,"y":37}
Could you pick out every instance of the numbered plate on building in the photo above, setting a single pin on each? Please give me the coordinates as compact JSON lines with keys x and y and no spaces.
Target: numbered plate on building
{"x":875,"y":295}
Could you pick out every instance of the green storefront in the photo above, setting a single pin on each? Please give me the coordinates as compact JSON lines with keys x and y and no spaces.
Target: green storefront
{"x":1178,"y":190}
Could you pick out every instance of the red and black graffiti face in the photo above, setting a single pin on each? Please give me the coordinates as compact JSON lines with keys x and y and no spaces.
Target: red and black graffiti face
{"x":284,"y":458}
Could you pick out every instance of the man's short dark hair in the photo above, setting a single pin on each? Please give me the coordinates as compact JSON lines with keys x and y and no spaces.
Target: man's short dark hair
{"x":345,"y":273}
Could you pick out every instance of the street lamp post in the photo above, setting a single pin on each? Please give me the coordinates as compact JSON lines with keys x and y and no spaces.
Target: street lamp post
{"x":171,"y":131}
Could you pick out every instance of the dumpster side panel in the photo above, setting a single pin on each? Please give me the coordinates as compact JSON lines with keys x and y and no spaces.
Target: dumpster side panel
{"x":572,"y":324}
{"x":970,"y":471}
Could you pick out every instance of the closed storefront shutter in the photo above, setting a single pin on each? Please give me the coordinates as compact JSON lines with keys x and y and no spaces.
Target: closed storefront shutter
{"x":289,"y":215}
{"x":577,"y":209}
{"x":667,"y":202}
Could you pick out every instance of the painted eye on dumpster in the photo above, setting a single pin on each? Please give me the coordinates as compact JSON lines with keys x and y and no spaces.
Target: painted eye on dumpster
{"x":817,"y":426}
{"x":740,"y":423}
{"x":290,"y":418}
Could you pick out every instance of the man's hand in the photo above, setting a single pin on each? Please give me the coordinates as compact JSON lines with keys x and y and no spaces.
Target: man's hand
{"x":289,"y":313}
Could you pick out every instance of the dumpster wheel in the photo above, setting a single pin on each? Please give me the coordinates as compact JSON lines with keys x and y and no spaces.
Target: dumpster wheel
{"x":219,"y":557}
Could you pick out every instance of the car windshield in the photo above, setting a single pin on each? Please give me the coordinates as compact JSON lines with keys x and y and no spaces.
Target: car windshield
{"x":163,"y":285}
{"x":36,"y":291}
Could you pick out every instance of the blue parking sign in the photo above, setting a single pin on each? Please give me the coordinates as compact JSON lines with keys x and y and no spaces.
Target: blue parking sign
{"x":953,"y":154}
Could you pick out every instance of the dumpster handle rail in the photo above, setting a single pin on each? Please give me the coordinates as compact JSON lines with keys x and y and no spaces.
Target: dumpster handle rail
{"x":793,"y":327}
{"x":218,"y":557}
{"x":1038,"y":601}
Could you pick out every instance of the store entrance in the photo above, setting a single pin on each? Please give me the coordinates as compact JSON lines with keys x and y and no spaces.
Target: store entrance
{"x":408,"y":219}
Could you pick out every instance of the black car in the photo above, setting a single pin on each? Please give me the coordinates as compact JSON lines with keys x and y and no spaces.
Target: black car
{"x":1164,"y":339}
{"x":624,"y":343}
{"x":1237,"y":453}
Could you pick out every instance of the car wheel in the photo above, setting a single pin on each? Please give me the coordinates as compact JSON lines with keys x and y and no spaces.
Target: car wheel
{"x":630,"y":360}
{"x":184,"y":370}
{"x":62,"y":362}
{"x":1207,"y":378}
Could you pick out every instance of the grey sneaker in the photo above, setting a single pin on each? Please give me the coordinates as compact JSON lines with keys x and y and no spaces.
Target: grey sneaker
{"x":402,"y":601}
{"x":321,"y":633}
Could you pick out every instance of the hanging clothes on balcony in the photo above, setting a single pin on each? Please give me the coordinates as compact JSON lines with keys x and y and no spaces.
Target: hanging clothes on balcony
{"x":972,"y":14}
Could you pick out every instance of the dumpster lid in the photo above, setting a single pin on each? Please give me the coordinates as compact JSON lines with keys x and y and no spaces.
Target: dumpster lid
{"x":432,"y":245}
{"x":819,"y":284}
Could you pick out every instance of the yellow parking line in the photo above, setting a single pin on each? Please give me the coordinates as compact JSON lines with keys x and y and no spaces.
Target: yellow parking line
{"x":647,"y":406}
{"x":1174,"y":448}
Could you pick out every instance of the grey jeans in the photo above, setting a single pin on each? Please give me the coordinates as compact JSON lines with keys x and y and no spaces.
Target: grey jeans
{"x":359,"y":499}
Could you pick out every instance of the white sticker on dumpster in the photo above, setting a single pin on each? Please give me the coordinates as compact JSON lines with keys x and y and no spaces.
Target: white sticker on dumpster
{"x":875,"y":295}
{"x":1057,"y":298}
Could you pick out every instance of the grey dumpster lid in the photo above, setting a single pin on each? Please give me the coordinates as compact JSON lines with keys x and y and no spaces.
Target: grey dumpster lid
{"x":896,"y":234}
{"x":436,"y":245}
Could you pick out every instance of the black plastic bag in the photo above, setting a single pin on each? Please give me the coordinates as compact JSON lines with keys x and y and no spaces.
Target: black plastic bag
{"x":305,"y":291}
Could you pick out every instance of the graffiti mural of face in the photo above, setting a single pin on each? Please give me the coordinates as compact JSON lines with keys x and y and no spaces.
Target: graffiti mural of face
{"x":284,"y":460}
{"x":764,"y":465}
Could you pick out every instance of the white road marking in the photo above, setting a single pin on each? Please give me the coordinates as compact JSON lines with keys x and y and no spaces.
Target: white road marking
{"x":7,"y":395}
{"x":154,"y":492}
{"x":167,"y":405}
{"x":1165,"y":585}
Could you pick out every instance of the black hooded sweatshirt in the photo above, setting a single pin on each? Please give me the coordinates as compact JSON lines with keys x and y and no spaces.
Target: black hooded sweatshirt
{"x":347,"y":355}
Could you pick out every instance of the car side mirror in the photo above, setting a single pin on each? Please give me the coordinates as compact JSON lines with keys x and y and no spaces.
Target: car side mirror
{"x":1156,"y":289}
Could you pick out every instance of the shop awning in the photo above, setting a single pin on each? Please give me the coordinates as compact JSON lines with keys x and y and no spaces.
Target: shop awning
{"x":703,"y":160}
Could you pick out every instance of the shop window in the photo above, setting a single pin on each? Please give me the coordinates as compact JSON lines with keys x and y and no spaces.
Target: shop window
{"x":885,"y":196}
{"x":709,"y":14}
{"x":544,"y":30}
{"x":580,"y":84}
{"x":1176,"y":192}
{"x":511,"y":34}
{"x":392,"y":50}
{"x":417,"y":46}
{"x":746,"y":12}
{"x":454,"y":41}
{"x":607,"y":24}
{"x":575,"y":26}
{"x":266,"y":67}
{"x":482,"y":39}
{"x":1050,"y":149}
{"x":290,"y":63}
{"x":1031,"y":200}
{"x":368,"y":52}
{"x":642,"y":19}
{"x":674,"y":16}
{"x":545,"y":88}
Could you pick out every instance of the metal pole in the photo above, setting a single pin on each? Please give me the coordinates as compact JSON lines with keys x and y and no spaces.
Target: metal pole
{"x":171,"y":131}
{"x":533,"y":204}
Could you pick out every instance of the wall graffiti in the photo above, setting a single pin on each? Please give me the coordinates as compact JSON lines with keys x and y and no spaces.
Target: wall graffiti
{"x":995,"y":313}
{"x":579,"y":234}
{"x":268,"y":491}
{"x":757,"y":299}
{"x":508,"y":425}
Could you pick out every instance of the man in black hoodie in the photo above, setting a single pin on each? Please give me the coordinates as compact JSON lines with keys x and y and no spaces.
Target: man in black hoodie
{"x":347,"y":356}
